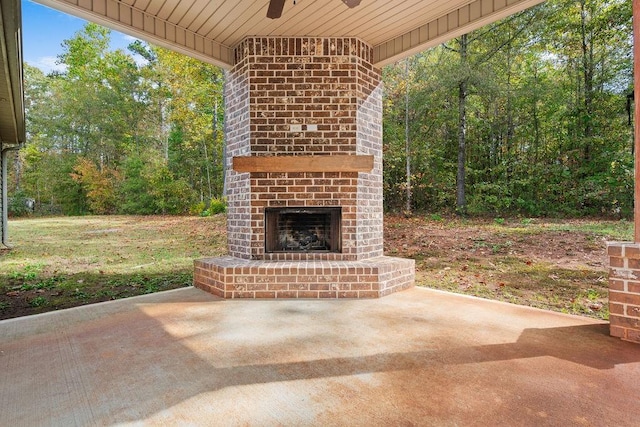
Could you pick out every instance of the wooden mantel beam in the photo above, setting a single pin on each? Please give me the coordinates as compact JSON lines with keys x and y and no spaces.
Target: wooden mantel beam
{"x":304,"y":163}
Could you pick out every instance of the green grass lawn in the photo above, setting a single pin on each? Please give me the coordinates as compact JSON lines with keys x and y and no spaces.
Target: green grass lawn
{"x":63,"y":262}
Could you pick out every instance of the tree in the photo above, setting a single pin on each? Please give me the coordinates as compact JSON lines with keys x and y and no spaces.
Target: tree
{"x":463,"y":82}
{"x":525,"y":116}
{"x":99,"y":183}
{"x":512,"y":110}
{"x":132,"y":138}
{"x":194,"y":111}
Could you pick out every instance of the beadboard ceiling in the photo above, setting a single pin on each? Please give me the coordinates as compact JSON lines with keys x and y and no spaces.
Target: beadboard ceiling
{"x":209,"y":29}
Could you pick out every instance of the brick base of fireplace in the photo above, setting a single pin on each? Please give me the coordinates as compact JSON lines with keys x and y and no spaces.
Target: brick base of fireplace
{"x":231,"y":277}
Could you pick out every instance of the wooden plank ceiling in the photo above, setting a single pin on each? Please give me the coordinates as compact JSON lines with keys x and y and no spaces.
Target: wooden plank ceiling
{"x":209,"y":29}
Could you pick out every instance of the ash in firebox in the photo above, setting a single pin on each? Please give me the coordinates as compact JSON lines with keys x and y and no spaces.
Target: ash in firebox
{"x":296,"y":238}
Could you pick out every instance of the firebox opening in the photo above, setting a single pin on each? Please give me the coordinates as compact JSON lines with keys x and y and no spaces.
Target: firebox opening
{"x":303,"y":230}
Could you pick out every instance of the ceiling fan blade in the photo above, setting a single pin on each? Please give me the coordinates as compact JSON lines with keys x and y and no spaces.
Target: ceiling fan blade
{"x":351,"y":3}
{"x":275,"y":9}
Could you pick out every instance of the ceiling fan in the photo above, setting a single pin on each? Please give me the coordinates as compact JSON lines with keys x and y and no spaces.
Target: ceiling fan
{"x":276,"y":7}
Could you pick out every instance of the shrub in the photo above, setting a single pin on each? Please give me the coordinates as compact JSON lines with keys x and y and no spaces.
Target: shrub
{"x":20,"y":204}
{"x":217,"y":205}
{"x":99,"y":183}
{"x":134,"y":191}
{"x":197,"y":209}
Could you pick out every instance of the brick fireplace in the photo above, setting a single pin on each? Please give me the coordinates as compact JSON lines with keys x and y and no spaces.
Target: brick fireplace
{"x":304,"y":175}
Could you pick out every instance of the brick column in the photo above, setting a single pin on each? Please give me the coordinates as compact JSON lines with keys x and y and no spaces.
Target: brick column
{"x":304,"y":96}
{"x":624,"y":290}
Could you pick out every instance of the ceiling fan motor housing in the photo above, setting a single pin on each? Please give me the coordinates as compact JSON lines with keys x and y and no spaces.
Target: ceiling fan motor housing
{"x":276,"y":7}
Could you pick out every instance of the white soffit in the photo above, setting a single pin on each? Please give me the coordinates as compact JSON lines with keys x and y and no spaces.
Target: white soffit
{"x":209,"y":29}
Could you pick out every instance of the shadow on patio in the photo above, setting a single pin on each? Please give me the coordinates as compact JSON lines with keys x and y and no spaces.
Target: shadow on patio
{"x":417,"y":357}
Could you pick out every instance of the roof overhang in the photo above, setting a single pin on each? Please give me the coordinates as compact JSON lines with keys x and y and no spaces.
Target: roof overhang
{"x":12,"y":121}
{"x":209,"y":30}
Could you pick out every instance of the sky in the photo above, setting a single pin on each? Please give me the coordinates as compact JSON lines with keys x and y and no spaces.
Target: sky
{"x":44,"y":29}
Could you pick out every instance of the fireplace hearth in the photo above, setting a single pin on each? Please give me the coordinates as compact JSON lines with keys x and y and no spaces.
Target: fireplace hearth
{"x":302,"y":230}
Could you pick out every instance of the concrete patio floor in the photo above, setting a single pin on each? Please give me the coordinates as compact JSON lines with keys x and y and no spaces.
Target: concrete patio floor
{"x":418,"y":357}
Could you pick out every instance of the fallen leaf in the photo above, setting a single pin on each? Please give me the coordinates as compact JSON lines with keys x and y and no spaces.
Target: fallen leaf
{"x":595,"y":306}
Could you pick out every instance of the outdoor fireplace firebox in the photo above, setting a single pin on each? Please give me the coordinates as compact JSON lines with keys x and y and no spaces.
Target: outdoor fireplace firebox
{"x":302,"y":230}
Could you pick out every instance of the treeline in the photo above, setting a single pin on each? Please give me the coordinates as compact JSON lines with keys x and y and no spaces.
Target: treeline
{"x":526,"y":116}
{"x":112,"y":135}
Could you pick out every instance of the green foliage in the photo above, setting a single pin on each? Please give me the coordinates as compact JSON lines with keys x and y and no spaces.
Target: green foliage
{"x":150,"y":187}
{"x":39,"y":301}
{"x":198,"y":208}
{"x":99,"y":184}
{"x":134,"y":190}
{"x":546,"y":130}
{"x":195,"y":111}
{"x":108,"y":135}
{"x":28,"y":272}
{"x":170,"y":195}
{"x":545,"y":126}
{"x":217,"y":206}
{"x":18,"y":204}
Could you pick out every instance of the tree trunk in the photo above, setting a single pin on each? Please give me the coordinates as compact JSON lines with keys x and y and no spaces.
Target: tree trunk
{"x":461,"y":204}
{"x":510,"y":149}
{"x":206,"y":165}
{"x":407,"y":146}
{"x":587,"y":72}
{"x":536,"y":120}
{"x":215,"y":153}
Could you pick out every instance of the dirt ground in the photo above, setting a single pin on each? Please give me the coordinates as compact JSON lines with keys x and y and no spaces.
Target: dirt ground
{"x":554,"y":265}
